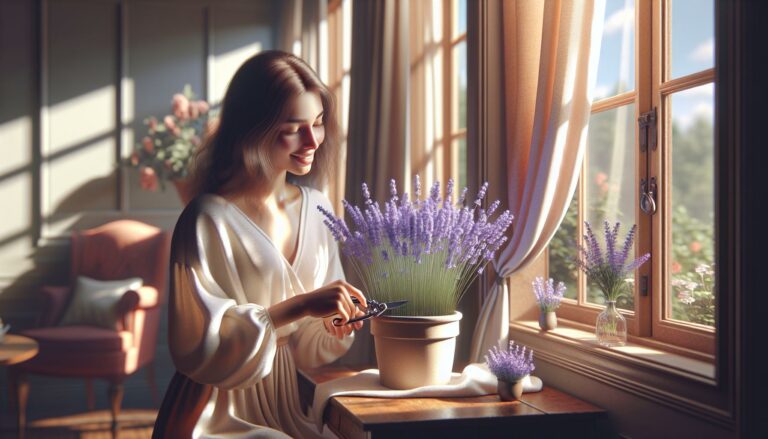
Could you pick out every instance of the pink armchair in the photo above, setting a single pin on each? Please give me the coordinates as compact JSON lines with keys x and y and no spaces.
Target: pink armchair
{"x":117,"y":250}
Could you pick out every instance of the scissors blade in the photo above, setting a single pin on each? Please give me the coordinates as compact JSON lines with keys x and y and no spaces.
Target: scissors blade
{"x":397,"y":304}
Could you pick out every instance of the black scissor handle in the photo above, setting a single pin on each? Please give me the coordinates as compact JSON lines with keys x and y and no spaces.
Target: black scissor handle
{"x":374,"y":309}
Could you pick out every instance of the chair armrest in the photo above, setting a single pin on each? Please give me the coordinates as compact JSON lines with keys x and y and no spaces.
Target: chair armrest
{"x":148,"y":297}
{"x":145,"y":297}
{"x":55,"y":300}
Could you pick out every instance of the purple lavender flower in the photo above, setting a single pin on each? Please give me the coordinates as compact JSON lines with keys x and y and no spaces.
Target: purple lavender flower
{"x":608,"y":270}
{"x":451,"y":242}
{"x":547,"y":295}
{"x":512,"y":364}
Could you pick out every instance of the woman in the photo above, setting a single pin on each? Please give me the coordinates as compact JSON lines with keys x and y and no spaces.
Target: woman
{"x":256,"y":278}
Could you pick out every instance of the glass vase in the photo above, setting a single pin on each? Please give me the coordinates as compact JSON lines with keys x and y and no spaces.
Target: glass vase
{"x":611,"y":327}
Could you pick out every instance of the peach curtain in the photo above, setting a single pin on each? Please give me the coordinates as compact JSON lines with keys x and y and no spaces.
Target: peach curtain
{"x":551,"y":49}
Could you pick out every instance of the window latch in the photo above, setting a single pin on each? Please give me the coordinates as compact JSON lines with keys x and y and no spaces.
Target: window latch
{"x":648,"y":195}
{"x":647,"y":124}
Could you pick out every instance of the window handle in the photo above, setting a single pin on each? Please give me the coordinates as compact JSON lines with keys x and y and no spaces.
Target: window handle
{"x":648,"y":196}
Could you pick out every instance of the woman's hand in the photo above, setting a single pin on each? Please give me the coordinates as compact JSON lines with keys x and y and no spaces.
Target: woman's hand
{"x":328,"y":302}
{"x":343,"y":330}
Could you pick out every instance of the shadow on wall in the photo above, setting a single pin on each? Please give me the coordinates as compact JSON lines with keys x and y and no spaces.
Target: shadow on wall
{"x":52,"y":396}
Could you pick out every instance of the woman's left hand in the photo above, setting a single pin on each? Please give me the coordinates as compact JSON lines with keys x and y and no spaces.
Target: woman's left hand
{"x":344,"y":330}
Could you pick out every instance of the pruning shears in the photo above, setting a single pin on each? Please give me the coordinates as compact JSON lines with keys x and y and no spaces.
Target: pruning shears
{"x":374,"y":309}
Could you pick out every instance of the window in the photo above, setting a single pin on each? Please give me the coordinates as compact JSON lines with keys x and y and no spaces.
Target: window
{"x":438,"y":81}
{"x":339,"y":63}
{"x":655,"y":77}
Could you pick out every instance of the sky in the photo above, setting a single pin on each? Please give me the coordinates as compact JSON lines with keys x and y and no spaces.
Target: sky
{"x":691,"y":50}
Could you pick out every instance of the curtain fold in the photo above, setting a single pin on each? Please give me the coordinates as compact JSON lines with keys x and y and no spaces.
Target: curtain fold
{"x":551,"y":50}
{"x":378,"y":142}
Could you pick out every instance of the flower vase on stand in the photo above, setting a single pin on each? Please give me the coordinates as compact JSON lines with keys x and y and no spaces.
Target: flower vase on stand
{"x":611,"y":326}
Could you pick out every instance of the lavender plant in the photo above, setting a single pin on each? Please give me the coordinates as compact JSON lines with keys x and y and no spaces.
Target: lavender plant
{"x":511,"y":364}
{"x":427,"y":251}
{"x":547,"y":295}
{"x":609,"y":269}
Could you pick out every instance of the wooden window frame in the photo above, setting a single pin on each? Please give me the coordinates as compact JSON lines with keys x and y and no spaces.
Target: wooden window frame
{"x":647,"y":324}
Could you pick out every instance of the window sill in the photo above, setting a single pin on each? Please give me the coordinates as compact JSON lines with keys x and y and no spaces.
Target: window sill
{"x":650,"y":372}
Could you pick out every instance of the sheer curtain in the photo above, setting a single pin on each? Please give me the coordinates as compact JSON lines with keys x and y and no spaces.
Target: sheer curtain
{"x":550,"y":63}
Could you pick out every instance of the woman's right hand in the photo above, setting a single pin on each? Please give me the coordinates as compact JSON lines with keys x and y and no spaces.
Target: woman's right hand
{"x":334,"y":299}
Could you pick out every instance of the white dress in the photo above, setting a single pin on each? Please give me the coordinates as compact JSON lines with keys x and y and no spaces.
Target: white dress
{"x":226,"y":273}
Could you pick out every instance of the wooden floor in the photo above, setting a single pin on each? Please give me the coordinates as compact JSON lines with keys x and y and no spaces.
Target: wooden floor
{"x":134,"y":424}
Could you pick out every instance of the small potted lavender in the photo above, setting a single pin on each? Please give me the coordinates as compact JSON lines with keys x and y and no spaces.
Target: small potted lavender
{"x":548,"y":297}
{"x":608,"y":270}
{"x":510,"y":367}
{"x":426,"y":251}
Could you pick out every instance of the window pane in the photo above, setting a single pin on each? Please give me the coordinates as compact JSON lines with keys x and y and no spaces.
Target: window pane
{"x":459,"y":85}
{"x":610,"y":180}
{"x":459,"y":173}
{"x":459,"y":17}
{"x":561,"y":250}
{"x":693,"y":226}
{"x":692,"y":36}
{"x":616,"y":68}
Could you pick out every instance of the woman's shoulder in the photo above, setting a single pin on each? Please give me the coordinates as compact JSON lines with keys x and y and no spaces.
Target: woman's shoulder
{"x":317,"y":198}
{"x":211,"y":206}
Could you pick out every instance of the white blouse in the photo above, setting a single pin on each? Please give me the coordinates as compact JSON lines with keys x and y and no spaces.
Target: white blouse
{"x":226,"y":273}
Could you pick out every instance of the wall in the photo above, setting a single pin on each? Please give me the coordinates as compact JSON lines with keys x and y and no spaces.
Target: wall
{"x":78,"y":78}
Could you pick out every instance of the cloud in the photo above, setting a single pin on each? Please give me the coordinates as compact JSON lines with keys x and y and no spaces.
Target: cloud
{"x":600,"y":91}
{"x":702,"y":110}
{"x":702,"y":91}
{"x":618,"y":20}
{"x":704,"y":52}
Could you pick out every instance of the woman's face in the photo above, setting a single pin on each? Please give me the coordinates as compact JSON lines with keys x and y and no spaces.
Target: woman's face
{"x":301,"y":133}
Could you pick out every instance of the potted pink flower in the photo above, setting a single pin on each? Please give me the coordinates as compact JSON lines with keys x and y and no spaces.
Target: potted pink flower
{"x":165,"y":152}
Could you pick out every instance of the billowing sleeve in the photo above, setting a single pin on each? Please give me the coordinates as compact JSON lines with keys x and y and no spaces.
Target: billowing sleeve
{"x":312,"y":345}
{"x":216,"y":337}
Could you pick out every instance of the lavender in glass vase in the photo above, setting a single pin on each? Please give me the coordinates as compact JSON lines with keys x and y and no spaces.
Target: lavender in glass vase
{"x":510,"y":367}
{"x":548,"y":297}
{"x":608,"y":270}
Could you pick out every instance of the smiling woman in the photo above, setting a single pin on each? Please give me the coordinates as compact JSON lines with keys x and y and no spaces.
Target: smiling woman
{"x":256,"y":280}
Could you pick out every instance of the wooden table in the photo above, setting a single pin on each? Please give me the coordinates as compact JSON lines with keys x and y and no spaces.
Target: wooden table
{"x":546,"y":414}
{"x":16,"y":348}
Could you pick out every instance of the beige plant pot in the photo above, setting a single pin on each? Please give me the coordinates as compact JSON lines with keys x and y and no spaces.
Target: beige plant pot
{"x":510,"y":390}
{"x":415,"y":351}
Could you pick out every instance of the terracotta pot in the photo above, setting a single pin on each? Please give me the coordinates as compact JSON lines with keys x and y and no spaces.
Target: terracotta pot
{"x":184,"y":188}
{"x":547,"y":320}
{"x":510,"y":390}
{"x":415,"y":351}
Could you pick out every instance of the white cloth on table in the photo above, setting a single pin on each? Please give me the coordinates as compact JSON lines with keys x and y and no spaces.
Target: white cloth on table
{"x":474,"y":380}
{"x":226,"y":272}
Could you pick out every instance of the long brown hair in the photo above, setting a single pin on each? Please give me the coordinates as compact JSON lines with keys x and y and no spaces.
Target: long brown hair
{"x":253,"y":107}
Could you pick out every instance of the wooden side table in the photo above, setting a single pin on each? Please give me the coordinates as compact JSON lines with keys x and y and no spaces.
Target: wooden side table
{"x":16,"y":348}
{"x":546,"y":414}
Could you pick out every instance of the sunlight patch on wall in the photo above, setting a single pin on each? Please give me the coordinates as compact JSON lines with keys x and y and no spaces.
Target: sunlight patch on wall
{"x":79,"y":153}
{"x":15,"y":136}
{"x":225,"y":66}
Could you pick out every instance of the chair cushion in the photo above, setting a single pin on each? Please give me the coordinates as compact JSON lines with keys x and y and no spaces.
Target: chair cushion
{"x":81,"y":351}
{"x":94,"y":302}
{"x":79,"y":339}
